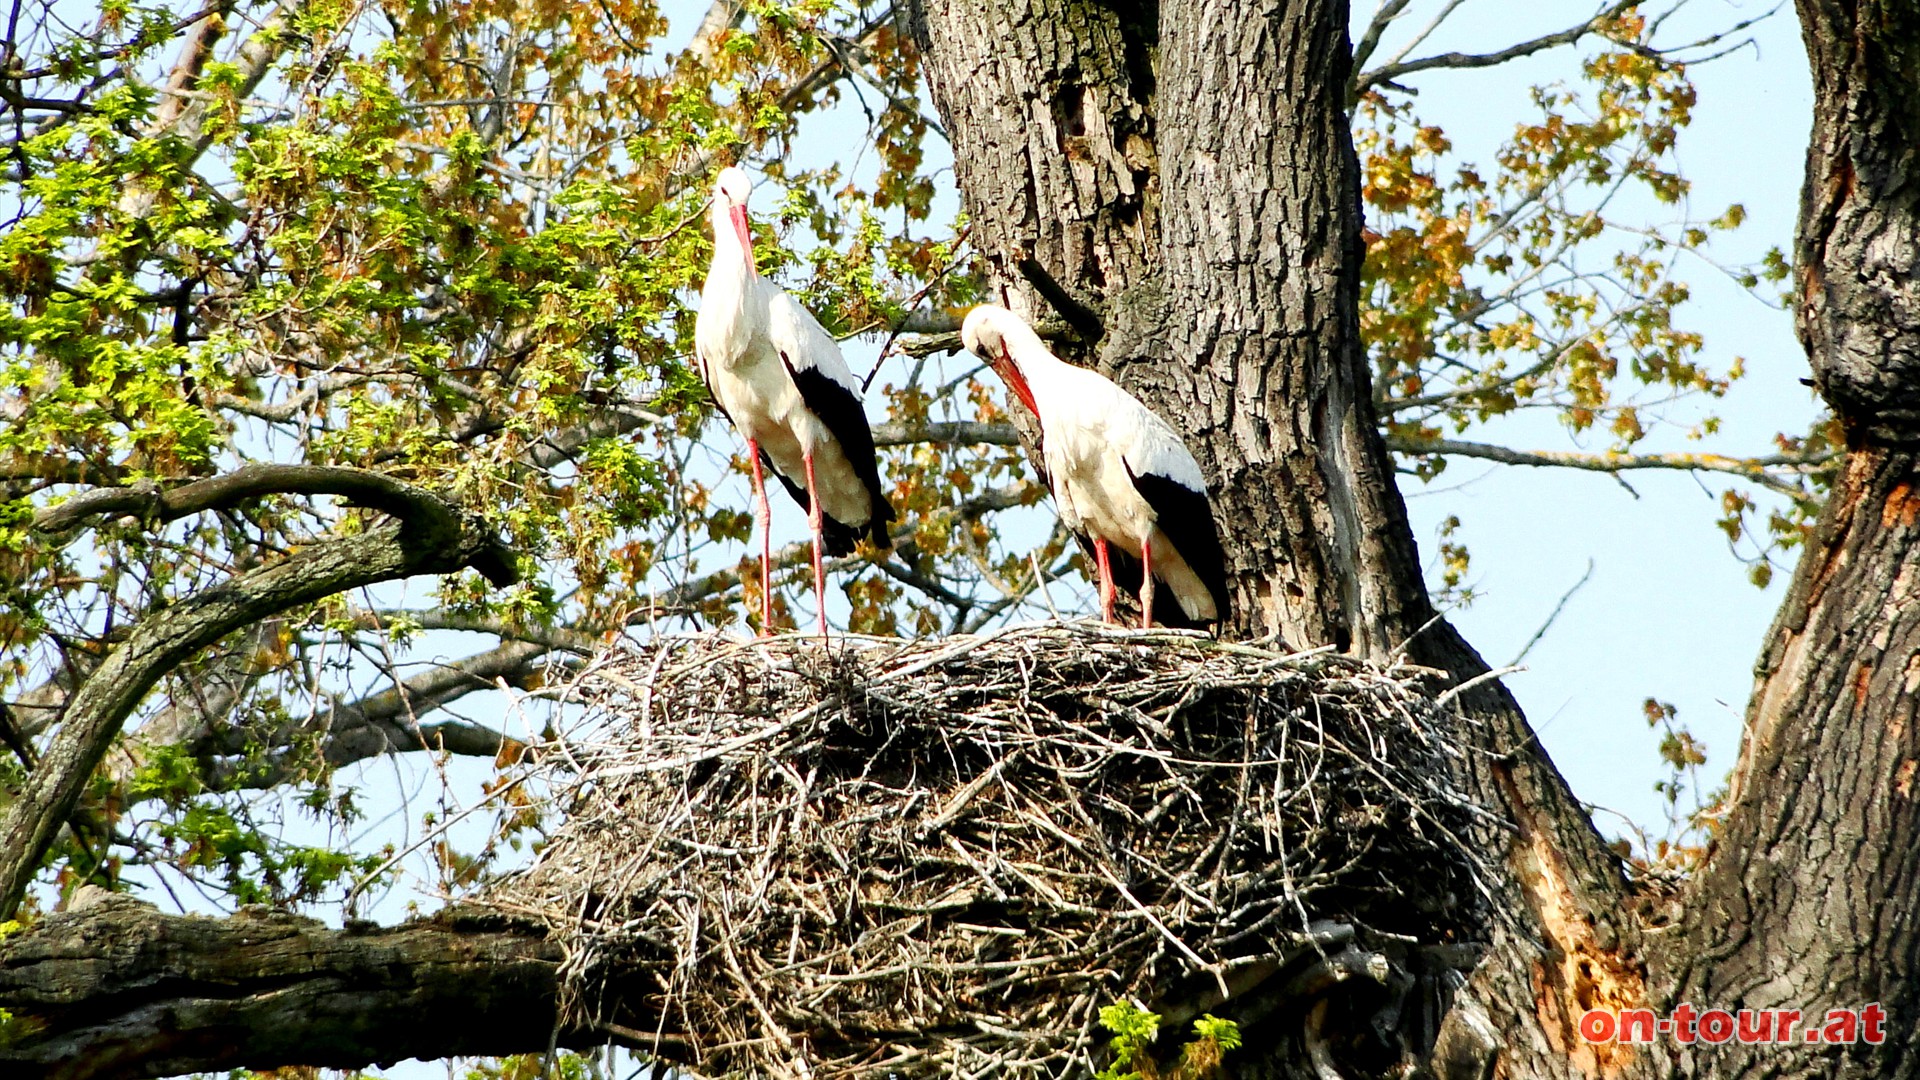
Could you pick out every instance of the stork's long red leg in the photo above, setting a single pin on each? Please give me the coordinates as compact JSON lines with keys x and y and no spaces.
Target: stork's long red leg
{"x":1105,"y":565}
{"x":1146,"y":584}
{"x":764,"y":510}
{"x":814,"y":516}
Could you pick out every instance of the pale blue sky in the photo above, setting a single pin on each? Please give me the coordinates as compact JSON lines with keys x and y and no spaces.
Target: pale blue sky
{"x":1669,"y":612}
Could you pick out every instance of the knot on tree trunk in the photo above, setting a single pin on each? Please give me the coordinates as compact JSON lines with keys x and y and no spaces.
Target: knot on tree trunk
{"x":941,"y":857}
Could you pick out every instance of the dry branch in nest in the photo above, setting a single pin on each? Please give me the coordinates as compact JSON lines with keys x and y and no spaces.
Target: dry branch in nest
{"x":943,"y":857}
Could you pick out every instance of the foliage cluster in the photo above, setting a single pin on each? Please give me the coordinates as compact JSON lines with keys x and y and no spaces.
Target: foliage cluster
{"x":1134,"y":1030}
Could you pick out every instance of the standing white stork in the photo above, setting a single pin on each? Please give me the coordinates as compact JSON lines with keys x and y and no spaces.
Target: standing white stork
{"x":778,"y":376}
{"x":1120,"y":474}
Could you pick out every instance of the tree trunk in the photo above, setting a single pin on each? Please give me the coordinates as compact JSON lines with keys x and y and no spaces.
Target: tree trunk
{"x":1260,"y":224}
{"x":1807,"y":900}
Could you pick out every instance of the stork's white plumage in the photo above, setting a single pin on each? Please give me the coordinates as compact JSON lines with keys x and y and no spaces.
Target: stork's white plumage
{"x":779,"y":377}
{"x":1120,"y":474}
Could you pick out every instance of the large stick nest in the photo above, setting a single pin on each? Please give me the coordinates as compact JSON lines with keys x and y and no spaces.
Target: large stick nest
{"x":943,"y":857}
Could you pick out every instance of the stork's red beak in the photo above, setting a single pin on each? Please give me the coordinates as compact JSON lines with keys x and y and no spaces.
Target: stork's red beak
{"x":1016,"y":382}
{"x":738,"y":214}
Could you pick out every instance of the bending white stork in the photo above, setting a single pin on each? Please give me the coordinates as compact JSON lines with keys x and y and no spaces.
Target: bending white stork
{"x":1120,"y":474}
{"x":778,"y":376}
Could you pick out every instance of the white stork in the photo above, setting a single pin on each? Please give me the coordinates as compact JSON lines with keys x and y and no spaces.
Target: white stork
{"x":1120,"y":474}
{"x":778,"y":376}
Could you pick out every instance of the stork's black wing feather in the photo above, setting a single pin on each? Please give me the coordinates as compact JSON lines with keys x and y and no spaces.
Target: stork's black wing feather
{"x":838,"y":408}
{"x":1186,"y":516}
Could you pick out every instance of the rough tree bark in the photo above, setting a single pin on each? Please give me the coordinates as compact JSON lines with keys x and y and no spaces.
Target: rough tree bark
{"x":1210,"y":231}
{"x":1260,"y":256}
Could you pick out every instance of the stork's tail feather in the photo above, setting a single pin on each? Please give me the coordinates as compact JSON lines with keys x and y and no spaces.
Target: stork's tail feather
{"x":880,"y":526}
{"x":842,"y":538}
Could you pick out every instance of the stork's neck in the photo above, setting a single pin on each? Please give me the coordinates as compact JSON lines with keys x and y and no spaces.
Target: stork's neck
{"x":1036,"y":373}
{"x":732,"y":242}
{"x":1036,"y":362}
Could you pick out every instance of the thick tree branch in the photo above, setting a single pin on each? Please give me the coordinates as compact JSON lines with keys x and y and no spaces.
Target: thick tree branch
{"x":431,"y":537}
{"x":183,"y":117}
{"x":362,"y":487}
{"x":194,"y":54}
{"x":721,"y":16}
{"x":118,"y":990}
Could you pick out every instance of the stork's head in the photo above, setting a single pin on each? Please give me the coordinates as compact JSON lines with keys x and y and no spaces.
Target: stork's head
{"x":733,"y":185}
{"x":730,"y":191}
{"x":995,"y":335}
{"x":980,"y":332}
